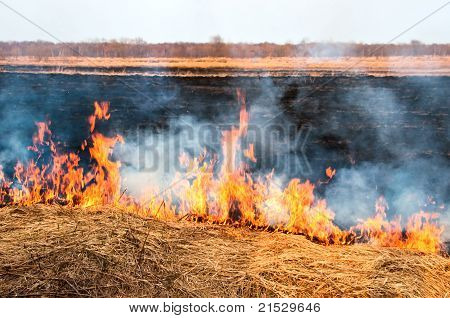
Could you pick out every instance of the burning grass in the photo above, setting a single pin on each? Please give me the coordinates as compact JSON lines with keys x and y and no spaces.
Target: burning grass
{"x":49,"y":251}
{"x":229,"y":196}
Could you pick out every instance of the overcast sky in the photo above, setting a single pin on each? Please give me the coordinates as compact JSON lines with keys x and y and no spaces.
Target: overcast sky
{"x":236,"y":21}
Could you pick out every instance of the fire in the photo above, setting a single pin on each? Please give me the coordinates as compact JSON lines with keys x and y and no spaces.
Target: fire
{"x":250,"y":152}
{"x":105,"y":175}
{"x":377,"y":229}
{"x":330,"y":172}
{"x":421,"y":232}
{"x":62,"y":179}
{"x":100,"y":112}
{"x":228,"y":195}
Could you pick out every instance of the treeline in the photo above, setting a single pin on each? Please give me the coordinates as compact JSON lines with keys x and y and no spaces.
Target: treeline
{"x":216,"y":48}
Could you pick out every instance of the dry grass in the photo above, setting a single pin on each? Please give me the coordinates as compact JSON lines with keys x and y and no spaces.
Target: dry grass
{"x":377,"y":66}
{"x":55,"y":251}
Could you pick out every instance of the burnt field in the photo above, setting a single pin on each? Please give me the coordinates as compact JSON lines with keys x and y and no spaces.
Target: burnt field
{"x":353,"y":118}
{"x":384,"y":135}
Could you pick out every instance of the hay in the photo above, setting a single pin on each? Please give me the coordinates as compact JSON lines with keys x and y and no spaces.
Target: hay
{"x":48,"y":251}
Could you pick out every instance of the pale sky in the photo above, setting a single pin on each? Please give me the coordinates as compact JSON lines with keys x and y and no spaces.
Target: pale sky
{"x":277,"y":21}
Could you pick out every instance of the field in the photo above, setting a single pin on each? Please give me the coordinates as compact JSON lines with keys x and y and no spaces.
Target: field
{"x":103,"y":252}
{"x":382,"y":125}
{"x":220,"y":67}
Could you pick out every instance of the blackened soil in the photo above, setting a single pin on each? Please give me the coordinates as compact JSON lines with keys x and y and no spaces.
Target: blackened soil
{"x":345,"y":121}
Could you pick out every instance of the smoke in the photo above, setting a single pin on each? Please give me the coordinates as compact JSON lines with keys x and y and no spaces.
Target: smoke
{"x":385,"y":136}
{"x":407,"y":141}
{"x":151,"y":157}
{"x":16,"y":123}
{"x":408,"y":188}
{"x":375,"y":131}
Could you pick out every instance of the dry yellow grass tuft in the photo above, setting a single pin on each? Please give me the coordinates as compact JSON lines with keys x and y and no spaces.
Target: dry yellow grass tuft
{"x":48,"y":251}
{"x":376,"y":66}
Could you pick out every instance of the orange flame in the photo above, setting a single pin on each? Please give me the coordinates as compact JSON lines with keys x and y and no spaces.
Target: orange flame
{"x":250,"y":152}
{"x":330,"y":172}
{"x":421,"y":233}
{"x":100,"y":112}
